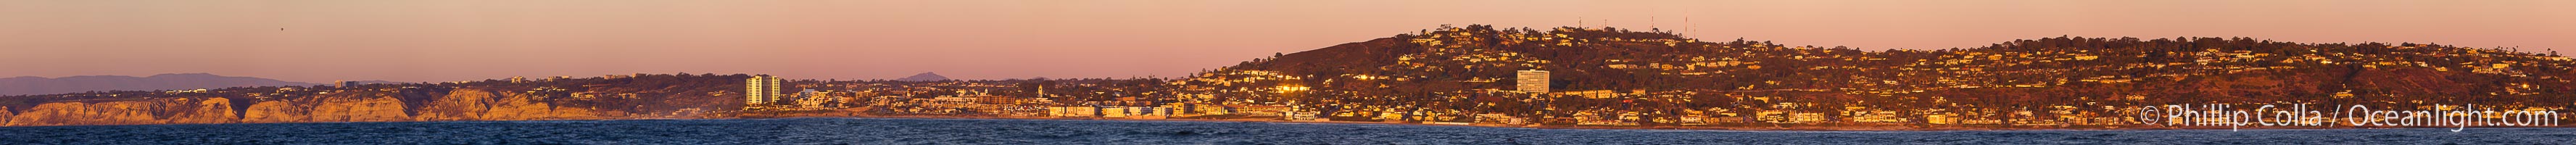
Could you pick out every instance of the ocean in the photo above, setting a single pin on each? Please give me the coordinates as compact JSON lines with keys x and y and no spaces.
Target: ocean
{"x":999,"y":131}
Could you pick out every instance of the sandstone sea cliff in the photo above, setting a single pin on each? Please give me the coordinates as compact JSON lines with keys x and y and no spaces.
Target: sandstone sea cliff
{"x":454,"y":105}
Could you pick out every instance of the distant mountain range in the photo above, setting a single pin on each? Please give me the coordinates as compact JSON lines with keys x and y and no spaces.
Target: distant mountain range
{"x":924,"y":77}
{"x":30,"y":85}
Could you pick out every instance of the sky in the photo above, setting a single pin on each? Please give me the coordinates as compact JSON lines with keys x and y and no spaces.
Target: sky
{"x":457,"y":40}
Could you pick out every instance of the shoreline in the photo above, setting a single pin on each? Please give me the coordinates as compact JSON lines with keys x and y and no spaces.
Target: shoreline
{"x":1708,"y":127}
{"x":861,"y":113}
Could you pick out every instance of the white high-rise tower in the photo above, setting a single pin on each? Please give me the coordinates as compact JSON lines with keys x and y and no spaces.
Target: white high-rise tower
{"x":760,"y":90}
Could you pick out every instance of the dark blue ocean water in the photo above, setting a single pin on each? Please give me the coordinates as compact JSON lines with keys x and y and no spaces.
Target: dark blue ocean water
{"x":983,"y":131}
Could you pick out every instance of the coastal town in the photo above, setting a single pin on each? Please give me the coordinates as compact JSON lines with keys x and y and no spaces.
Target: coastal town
{"x":1575,"y":77}
{"x":1484,"y":76}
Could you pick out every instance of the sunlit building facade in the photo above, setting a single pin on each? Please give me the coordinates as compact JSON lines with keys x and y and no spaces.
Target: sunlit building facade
{"x":761,"y":90}
{"x":1532,"y":81}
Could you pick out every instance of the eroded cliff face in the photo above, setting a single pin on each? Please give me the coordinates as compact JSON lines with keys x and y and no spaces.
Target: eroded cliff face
{"x":464,"y":104}
{"x":326,"y":109}
{"x":127,"y":112}
{"x":208,"y":110}
{"x":459,"y":104}
{"x":4,"y":115}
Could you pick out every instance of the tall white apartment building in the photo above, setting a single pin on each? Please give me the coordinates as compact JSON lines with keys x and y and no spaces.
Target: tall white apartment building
{"x":761,"y":90}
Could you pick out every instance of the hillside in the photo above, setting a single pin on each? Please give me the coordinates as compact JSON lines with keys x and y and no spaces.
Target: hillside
{"x":1467,"y":70}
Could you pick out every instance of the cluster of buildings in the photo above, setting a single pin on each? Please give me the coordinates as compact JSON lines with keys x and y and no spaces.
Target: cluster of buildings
{"x":763,"y":92}
{"x":1753,"y":82}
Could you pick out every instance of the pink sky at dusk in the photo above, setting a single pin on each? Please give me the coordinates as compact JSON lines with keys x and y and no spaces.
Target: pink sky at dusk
{"x":430,"y":41}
